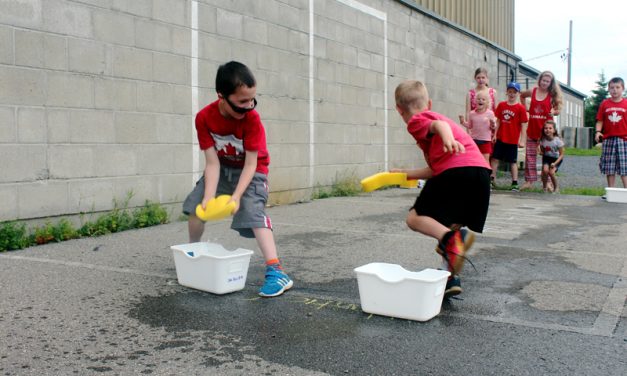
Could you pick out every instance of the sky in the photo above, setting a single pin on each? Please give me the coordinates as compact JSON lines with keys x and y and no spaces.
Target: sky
{"x":599,"y":39}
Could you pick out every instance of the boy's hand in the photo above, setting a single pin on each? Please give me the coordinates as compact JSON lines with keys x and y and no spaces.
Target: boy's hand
{"x":453,"y":146}
{"x":492,"y":124}
{"x":236,"y":200}
{"x":204,"y":202}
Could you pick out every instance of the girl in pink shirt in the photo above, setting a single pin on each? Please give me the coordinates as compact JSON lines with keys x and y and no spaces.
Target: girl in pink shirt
{"x":481,"y":123}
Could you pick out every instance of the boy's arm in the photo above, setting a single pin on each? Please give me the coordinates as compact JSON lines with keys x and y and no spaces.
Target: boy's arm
{"x":523,"y":136}
{"x":250,"y":166}
{"x":416,"y":173}
{"x":441,"y":128}
{"x":496,"y":129}
{"x":598,"y":131}
{"x":212,"y":175}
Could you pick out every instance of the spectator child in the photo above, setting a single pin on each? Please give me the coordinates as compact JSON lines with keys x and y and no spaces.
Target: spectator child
{"x":481,"y":123}
{"x":511,"y":118}
{"x":453,"y":161}
{"x":546,"y":102}
{"x":482,"y":85}
{"x":611,"y":127}
{"x":552,"y":149}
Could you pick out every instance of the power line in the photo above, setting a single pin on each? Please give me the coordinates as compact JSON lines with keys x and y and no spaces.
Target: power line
{"x":564,"y":52}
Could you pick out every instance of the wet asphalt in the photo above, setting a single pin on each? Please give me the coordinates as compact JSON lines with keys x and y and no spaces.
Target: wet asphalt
{"x":547,"y":297}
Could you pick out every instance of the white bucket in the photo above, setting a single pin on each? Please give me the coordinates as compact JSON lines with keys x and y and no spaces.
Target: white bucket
{"x":210,"y":267}
{"x":616,"y":195}
{"x":391,"y":290}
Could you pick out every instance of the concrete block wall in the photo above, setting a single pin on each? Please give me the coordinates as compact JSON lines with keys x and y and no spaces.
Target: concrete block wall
{"x":97,"y":97}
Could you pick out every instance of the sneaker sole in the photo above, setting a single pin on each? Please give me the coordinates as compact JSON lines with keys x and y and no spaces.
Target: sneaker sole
{"x":459,"y":260}
{"x":280,"y":292}
{"x":455,"y":290}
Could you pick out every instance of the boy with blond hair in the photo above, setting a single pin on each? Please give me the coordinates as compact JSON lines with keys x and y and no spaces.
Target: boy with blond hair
{"x":457,"y":192}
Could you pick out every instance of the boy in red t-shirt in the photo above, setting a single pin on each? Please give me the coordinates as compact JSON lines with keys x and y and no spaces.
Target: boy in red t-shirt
{"x":611,"y":127}
{"x":454,"y":162}
{"x":232,"y":137}
{"x":511,"y":119}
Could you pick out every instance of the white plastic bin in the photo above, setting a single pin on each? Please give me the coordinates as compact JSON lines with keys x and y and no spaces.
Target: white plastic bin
{"x":210,"y":267}
{"x":616,"y":194}
{"x":391,"y":290}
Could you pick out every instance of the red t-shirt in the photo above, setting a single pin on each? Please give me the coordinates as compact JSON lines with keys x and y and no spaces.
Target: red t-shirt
{"x":614,"y":118}
{"x":539,"y":113}
{"x":511,"y":117}
{"x":231,"y":137}
{"x":432,"y":146}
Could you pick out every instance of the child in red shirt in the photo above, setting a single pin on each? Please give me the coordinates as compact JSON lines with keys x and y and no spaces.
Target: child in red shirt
{"x":453,"y":161}
{"x":511,"y":117}
{"x":232,"y":137}
{"x":611,"y":127}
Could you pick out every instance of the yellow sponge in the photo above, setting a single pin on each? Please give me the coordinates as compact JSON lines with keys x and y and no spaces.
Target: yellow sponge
{"x":382,"y":179}
{"x":216,"y":208}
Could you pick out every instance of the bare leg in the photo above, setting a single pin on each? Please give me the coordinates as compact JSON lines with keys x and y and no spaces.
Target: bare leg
{"x":611,"y":180}
{"x":265,"y":241}
{"x":494,"y":163}
{"x":514,"y":168}
{"x":624,"y":179}
{"x":195,"y":228}
{"x":554,"y":180}
{"x":545,"y":177}
{"x":426,"y":225}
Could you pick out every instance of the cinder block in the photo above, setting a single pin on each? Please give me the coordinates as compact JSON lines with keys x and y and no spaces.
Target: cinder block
{"x":42,"y":199}
{"x":67,"y":18}
{"x":141,"y":8}
{"x":72,"y":161}
{"x":229,"y":24}
{"x":116,"y":160}
{"x":181,"y":41}
{"x":70,"y":90}
{"x":132,"y":63}
{"x":182,"y":100}
{"x":152,"y":35}
{"x":156,"y":159}
{"x":174,"y":188}
{"x":89,"y":195}
{"x":207,"y":18}
{"x":39,"y":50}
{"x":141,"y":188}
{"x":8,"y":125}
{"x":174,"y":129}
{"x":154,"y":97}
{"x":133,"y":128}
{"x":87,"y":56}
{"x":31,"y":125}
{"x":22,"y":86}
{"x":58,"y":126}
{"x":22,"y":163}
{"x":115,"y":94}
{"x":6,"y":41}
{"x":255,"y":31}
{"x":94,"y":127}
{"x":114,"y":27}
{"x":8,"y":198}
{"x":23,"y":13}
{"x":172,"y":69}
{"x":171,"y":11}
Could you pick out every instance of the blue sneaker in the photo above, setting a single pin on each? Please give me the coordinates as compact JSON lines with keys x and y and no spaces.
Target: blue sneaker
{"x":453,"y":287}
{"x":277,"y":282}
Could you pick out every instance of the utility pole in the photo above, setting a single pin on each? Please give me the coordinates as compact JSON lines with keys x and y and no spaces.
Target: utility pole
{"x":570,"y":50}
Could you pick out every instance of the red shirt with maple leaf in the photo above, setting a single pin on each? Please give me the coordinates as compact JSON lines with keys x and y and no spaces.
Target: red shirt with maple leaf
{"x":232,"y":137}
{"x":614,"y":118}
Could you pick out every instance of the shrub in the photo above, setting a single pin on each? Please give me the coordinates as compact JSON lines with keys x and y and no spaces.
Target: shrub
{"x":13,"y":236}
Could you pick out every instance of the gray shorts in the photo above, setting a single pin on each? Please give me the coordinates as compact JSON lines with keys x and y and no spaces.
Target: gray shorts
{"x":252,"y":206}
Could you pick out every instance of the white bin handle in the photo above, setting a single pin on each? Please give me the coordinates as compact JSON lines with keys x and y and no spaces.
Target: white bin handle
{"x":439,"y":291}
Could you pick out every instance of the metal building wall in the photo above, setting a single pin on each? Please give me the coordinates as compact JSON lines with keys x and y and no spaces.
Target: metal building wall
{"x":492,"y":19}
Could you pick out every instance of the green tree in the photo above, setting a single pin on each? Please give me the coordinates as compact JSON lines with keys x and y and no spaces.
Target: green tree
{"x":593,"y":102}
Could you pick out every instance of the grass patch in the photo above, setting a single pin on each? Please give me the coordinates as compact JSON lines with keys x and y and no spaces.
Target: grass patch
{"x":584,"y":191}
{"x":14,"y":235}
{"x":594,"y":152}
{"x":342,"y":187}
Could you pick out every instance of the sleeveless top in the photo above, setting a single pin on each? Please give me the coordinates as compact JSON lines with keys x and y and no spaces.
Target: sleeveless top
{"x":539,"y":113}
{"x":473,"y":103}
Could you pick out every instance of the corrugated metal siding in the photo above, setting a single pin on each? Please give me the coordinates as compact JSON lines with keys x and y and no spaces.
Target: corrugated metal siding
{"x":492,"y":19}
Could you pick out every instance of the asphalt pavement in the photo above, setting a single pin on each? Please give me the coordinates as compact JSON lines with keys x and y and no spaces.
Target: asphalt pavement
{"x":547,"y":297}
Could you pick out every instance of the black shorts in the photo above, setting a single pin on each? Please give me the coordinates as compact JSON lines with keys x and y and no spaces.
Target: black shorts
{"x":457,"y":196}
{"x":505,"y":152}
{"x":546,"y":160}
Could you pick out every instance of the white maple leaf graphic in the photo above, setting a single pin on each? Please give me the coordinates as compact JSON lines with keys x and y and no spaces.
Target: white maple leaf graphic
{"x":614,"y":117}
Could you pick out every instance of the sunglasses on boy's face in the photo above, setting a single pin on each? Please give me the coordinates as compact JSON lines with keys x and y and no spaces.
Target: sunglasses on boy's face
{"x":241,"y":110}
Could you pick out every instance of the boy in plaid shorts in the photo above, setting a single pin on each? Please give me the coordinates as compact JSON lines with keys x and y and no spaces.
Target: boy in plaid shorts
{"x":611,"y":128}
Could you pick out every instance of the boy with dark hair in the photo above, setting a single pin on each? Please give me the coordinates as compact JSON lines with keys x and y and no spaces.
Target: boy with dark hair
{"x":233,"y":140}
{"x":457,"y":192}
{"x":611,"y":127}
{"x":511,"y":121}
